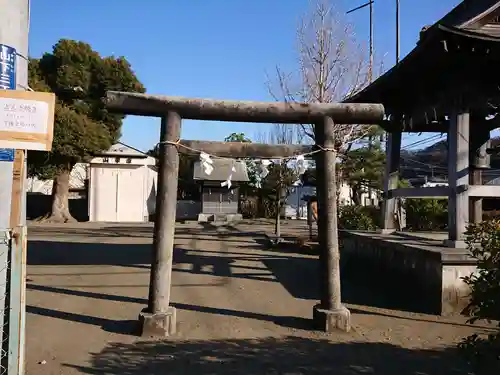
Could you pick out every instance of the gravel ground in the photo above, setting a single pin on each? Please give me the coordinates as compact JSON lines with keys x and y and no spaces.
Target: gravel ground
{"x":242,"y":309}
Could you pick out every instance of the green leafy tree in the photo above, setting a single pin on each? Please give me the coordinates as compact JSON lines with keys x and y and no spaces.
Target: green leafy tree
{"x":187,"y":188}
{"x":79,"y":77}
{"x":237,"y":137}
{"x":250,"y":163}
{"x":483,"y":243}
{"x":363,"y":169}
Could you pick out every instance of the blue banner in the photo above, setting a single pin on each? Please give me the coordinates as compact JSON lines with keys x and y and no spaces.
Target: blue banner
{"x":6,"y":154}
{"x":8,"y":57}
{"x":7,"y":67}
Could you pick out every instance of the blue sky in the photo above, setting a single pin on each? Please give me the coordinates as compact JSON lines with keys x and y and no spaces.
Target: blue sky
{"x":213,"y":48}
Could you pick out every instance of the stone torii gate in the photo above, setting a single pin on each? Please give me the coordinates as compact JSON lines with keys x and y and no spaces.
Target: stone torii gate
{"x":159,"y":318}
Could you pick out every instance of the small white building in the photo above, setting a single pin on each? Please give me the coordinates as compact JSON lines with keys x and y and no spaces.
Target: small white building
{"x":369,"y":197}
{"x":122,"y":185}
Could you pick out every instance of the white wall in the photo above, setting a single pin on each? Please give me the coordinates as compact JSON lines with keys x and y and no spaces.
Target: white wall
{"x":345,"y":196}
{"x":295,"y":207}
{"x":77,"y":179}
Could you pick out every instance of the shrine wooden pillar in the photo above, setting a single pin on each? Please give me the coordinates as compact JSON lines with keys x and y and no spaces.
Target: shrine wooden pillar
{"x":330,"y":314}
{"x":458,"y":175}
{"x":391,"y":180}
{"x":159,"y":318}
{"x":479,"y":160}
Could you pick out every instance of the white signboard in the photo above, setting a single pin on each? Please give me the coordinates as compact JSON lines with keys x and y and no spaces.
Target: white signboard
{"x":26,"y":120}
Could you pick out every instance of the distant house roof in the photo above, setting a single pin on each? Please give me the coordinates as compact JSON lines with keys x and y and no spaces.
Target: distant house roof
{"x":123,"y":150}
{"x":222,"y":170}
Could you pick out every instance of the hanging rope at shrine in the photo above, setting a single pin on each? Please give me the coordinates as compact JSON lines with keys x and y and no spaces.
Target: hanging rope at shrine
{"x":207,"y":164}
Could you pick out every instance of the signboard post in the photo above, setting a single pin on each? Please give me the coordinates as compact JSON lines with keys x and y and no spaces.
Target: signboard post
{"x":14,"y":26}
{"x":26,"y":123}
{"x":8,"y":58}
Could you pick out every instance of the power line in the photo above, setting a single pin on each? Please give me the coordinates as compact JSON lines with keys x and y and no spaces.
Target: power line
{"x":423,"y":141}
{"x":435,"y":166}
{"x":420,"y":141}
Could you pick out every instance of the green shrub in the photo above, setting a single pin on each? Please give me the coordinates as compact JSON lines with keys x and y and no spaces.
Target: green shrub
{"x":358,"y":217}
{"x":426,"y":213}
{"x":483,"y":242}
{"x":249,"y":207}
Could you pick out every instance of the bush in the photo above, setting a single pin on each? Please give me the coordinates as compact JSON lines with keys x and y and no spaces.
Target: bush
{"x":249,"y":207}
{"x":483,"y":241}
{"x":358,"y":217}
{"x":426,"y":214}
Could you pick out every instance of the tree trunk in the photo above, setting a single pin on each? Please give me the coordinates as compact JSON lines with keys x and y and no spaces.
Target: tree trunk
{"x":356,"y":195}
{"x":277,"y":224}
{"x":60,"y":199}
{"x":279,"y":192}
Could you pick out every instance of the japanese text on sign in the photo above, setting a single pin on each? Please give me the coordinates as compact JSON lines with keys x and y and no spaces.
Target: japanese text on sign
{"x":20,"y":115}
{"x":7,"y":68}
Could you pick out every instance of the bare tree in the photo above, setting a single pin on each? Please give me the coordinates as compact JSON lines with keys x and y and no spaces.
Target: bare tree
{"x":331,"y":66}
{"x":281,"y":175}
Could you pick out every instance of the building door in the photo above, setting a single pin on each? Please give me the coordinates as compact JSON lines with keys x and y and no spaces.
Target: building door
{"x":229,"y":201}
{"x":220,"y":200}
{"x":106,"y":190}
{"x":130,"y":195}
{"x":211,"y":200}
{"x":119,"y":194}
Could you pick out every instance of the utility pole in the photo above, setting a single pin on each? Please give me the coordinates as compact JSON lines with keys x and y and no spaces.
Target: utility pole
{"x":14,"y":27}
{"x":370,"y":66}
{"x":370,"y":76}
{"x":397,"y":33}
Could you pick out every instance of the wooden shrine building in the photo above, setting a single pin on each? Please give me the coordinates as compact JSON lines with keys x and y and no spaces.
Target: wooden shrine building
{"x":449,"y":83}
{"x":218,"y":201}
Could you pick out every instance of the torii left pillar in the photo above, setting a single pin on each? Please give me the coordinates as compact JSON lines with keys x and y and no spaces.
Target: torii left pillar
{"x":391,"y":179}
{"x":160,"y":318}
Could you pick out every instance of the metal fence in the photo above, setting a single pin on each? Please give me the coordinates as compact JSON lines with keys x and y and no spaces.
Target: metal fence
{"x":4,"y":299}
{"x":12,"y":300}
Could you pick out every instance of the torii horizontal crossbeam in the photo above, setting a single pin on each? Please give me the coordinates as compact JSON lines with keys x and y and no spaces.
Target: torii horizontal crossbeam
{"x":243,"y":111}
{"x":244,"y":150}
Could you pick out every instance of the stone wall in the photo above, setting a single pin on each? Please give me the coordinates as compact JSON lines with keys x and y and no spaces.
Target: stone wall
{"x":188,"y":210}
{"x":413,"y":274}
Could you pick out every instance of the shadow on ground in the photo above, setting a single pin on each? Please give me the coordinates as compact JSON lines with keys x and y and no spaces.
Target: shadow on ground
{"x":145,"y":230}
{"x":287,"y":355}
{"x":298,"y":274}
{"x":141,"y":231}
{"x":132,"y":327}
